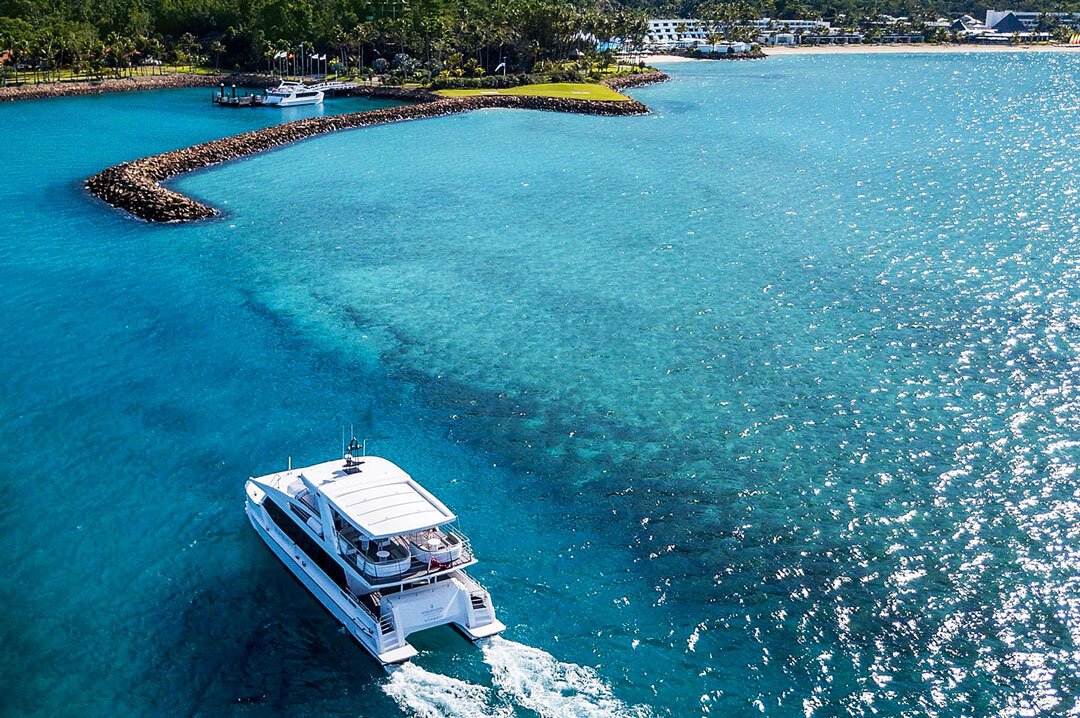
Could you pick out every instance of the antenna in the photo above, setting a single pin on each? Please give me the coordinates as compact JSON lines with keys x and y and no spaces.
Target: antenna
{"x":343,"y":440}
{"x":352,"y":461}
{"x":365,"y":446}
{"x":290,"y":463}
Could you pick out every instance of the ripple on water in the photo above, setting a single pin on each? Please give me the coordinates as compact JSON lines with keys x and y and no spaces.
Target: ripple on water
{"x":771,"y":394}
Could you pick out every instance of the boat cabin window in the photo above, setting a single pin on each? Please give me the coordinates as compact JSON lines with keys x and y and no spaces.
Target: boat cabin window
{"x":308,"y":500}
{"x":312,"y":521}
{"x":306,"y":544}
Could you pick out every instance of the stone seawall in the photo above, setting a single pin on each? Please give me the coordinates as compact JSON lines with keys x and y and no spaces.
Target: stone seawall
{"x":625,"y":82}
{"x":135,"y":186}
{"x":125,"y":84}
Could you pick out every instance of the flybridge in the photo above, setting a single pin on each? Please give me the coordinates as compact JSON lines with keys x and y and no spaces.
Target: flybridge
{"x":377,"y":549}
{"x":376,"y":496}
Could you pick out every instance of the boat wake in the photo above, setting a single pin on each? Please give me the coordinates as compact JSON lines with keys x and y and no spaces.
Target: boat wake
{"x":523,"y":677}
{"x":430,"y":695}
{"x":536,"y":680}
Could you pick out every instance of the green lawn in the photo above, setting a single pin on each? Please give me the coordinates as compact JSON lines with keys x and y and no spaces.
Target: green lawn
{"x":574,"y":90}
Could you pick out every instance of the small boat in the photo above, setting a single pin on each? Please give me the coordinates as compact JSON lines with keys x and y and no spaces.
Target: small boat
{"x":292,"y":94}
{"x":379,"y":551}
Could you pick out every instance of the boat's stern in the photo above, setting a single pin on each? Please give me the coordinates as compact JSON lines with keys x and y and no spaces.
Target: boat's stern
{"x":493,"y":628}
{"x":456,"y":600}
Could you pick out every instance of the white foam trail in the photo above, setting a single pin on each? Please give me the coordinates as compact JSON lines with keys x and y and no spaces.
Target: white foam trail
{"x":429,"y":695}
{"x":534,"y":679}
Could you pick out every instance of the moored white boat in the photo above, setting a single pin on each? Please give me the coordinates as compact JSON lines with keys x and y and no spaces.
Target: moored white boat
{"x":292,"y":94}
{"x":379,"y":551}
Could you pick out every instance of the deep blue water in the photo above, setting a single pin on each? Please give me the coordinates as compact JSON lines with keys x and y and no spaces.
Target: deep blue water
{"x":763,"y":403}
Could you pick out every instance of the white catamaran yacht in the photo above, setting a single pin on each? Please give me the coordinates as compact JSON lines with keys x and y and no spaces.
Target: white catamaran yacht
{"x":375,"y":547}
{"x":292,"y":94}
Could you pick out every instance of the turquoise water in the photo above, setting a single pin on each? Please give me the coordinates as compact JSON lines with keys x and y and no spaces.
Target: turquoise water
{"x":763,"y":403}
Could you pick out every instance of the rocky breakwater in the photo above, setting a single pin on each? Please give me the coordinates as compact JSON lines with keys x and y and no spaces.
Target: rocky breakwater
{"x":126,"y":84}
{"x":625,"y":82}
{"x":135,"y":186}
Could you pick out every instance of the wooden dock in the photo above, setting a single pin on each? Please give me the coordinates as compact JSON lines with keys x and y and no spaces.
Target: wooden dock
{"x":235,"y":100}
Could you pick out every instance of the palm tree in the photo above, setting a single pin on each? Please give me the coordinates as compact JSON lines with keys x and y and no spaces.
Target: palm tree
{"x":155,"y":50}
{"x":216,"y":48}
{"x":341,"y":42}
{"x":188,"y":47}
{"x":363,"y":33}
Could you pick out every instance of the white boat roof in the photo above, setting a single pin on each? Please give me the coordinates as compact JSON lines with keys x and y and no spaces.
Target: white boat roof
{"x":380,"y":499}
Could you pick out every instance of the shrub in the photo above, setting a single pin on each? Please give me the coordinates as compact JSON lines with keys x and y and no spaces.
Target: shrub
{"x":488,"y":82}
{"x":567,"y":75}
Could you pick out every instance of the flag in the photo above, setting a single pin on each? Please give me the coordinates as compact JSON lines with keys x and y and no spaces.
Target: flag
{"x":501,"y":66}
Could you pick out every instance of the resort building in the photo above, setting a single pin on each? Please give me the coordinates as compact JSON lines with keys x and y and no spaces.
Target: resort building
{"x":684,"y":33}
{"x":781,"y":39}
{"x":793,"y":26}
{"x":839,"y":38}
{"x":1000,"y":28}
{"x":966,"y":24}
{"x":676,"y":31}
{"x":725,"y":47}
{"x":1030,"y":20}
{"x":790,"y":32}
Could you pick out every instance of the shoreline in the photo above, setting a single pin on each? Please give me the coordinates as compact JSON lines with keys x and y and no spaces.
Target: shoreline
{"x":920,"y":48}
{"x":892,"y":49}
{"x":135,"y":187}
{"x":79,"y":88}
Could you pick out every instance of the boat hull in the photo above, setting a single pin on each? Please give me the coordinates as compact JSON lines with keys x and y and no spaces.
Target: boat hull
{"x":339,"y":609}
{"x":276,"y":101}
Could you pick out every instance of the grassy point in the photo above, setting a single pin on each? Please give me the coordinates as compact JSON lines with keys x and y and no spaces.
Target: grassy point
{"x":573,"y":90}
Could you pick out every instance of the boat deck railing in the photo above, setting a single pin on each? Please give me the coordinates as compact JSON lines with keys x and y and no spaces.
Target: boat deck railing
{"x":381,"y":571}
{"x":334,"y":86}
{"x":385,"y":622}
{"x":472,"y":585}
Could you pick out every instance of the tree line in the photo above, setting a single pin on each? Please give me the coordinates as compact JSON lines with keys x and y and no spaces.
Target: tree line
{"x":112,"y":36}
{"x":42,"y":37}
